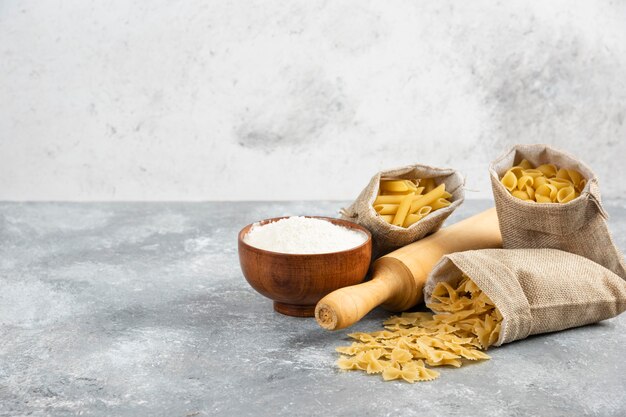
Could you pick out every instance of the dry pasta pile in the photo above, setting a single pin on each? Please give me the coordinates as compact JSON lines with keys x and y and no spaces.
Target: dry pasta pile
{"x":405,"y":202}
{"x":465,"y":322}
{"x":544,"y":184}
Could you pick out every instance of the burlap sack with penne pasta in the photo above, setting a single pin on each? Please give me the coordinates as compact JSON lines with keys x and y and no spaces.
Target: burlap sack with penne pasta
{"x":535,"y":290}
{"x":387,"y":237}
{"x":578,"y":226}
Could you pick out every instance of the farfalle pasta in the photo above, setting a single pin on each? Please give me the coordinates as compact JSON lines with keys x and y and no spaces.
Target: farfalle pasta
{"x":526,"y":291}
{"x":465,"y":323}
{"x":546,"y":183}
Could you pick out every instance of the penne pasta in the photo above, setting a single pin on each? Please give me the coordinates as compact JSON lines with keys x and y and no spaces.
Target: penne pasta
{"x":399,"y":192}
{"x":427,"y":198}
{"x":428,"y":184}
{"x":403,"y":210}
{"x":415,"y":217}
{"x":389,"y":199}
{"x":394,"y":186}
{"x":386,"y":208}
{"x":440,"y":203}
{"x":404,"y":202}
{"x":412,"y":219}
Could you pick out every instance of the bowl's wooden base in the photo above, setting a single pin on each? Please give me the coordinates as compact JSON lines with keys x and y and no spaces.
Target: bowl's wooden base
{"x":294,"y":309}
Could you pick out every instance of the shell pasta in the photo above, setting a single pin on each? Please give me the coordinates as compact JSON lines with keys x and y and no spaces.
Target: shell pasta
{"x":544,"y":184}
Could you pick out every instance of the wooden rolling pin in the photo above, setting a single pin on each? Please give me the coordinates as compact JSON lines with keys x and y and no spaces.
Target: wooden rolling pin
{"x":399,"y":277}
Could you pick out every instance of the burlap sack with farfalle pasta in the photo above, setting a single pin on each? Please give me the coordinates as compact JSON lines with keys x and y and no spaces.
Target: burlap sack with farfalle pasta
{"x":387,"y":237}
{"x":578,"y":226}
{"x":536,"y":290}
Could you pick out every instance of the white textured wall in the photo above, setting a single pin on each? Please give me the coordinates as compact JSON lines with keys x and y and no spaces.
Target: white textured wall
{"x":190,"y":100}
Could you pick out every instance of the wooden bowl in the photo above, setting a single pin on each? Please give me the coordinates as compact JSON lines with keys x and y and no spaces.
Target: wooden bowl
{"x":297,"y":282}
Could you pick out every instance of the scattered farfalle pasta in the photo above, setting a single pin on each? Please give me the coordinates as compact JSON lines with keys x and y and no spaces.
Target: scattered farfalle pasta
{"x":405,"y":202}
{"x":465,"y":323}
{"x":544,"y":184}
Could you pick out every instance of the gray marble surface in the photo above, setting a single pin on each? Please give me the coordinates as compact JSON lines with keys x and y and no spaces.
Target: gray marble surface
{"x":140,"y":309}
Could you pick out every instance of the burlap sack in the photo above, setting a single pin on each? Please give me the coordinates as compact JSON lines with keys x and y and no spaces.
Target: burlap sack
{"x":387,"y":237}
{"x":578,"y":226}
{"x":536,"y":290}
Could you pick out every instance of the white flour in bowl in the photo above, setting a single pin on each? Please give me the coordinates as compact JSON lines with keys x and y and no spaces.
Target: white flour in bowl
{"x":303,"y":235}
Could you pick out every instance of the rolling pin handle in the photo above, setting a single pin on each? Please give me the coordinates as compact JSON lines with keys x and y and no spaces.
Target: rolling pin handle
{"x":346,"y":306}
{"x":399,"y":277}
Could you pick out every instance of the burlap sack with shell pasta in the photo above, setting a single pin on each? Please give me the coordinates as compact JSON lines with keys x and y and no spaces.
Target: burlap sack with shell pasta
{"x":387,"y":237}
{"x":578,"y":226}
{"x":536,"y":290}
